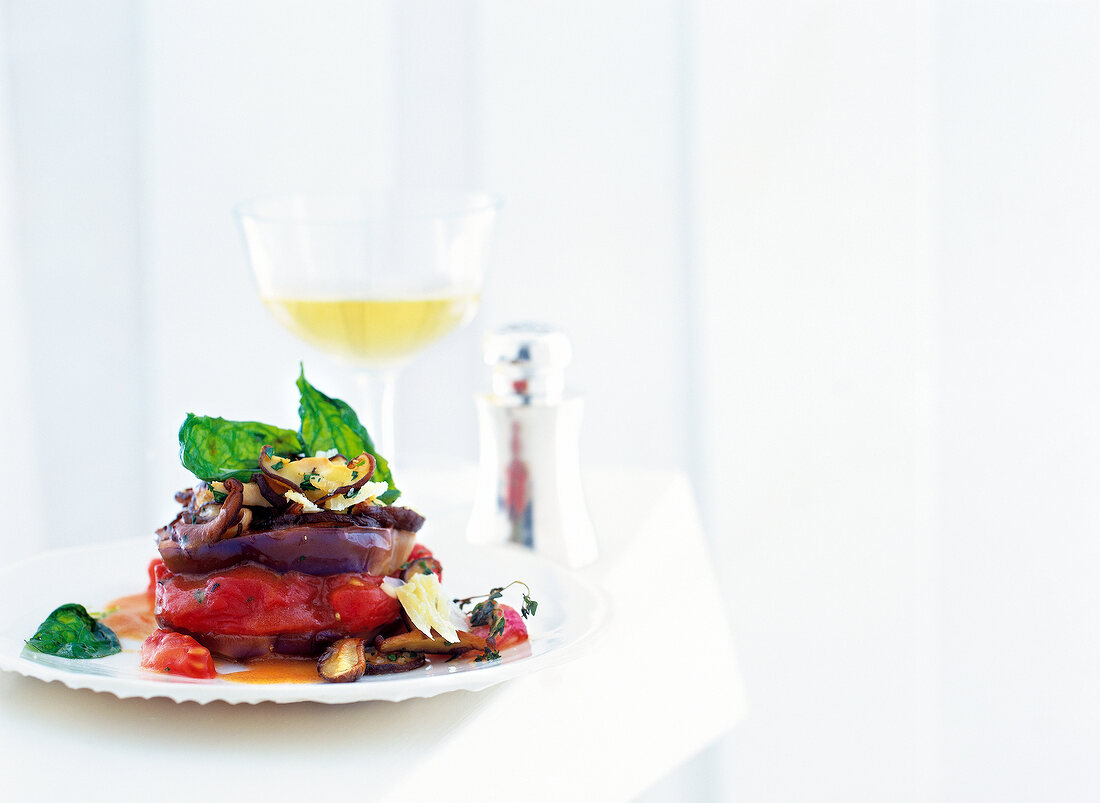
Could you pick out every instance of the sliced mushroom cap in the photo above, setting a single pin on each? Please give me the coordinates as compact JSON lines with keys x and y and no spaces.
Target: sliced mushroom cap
{"x":276,"y":500}
{"x":206,"y":512}
{"x":252,"y":497}
{"x":343,"y":661}
{"x":400,"y":518}
{"x":377,"y":663}
{"x":276,"y":470}
{"x":194,"y":534}
{"x":202,"y":494}
{"x":416,"y":641}
{"x":422,"y":566}
{"x":362,"y":469}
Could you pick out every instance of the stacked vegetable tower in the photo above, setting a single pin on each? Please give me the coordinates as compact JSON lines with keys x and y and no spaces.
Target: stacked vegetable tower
{"x":282,"y":546}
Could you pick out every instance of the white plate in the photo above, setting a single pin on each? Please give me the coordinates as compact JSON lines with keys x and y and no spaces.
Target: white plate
{"x":570,"y":610}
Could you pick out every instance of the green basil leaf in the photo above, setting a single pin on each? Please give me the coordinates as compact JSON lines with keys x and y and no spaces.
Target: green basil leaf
{"x":70,"y":632}
{"x":329,"y":423}
{"x":214,"y":449}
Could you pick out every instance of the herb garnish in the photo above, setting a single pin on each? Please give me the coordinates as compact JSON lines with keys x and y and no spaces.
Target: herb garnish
{"x":488,"y":613}
{"x":489,"y":654}
{"x":422,"y":565}
{"x":215,"y":449}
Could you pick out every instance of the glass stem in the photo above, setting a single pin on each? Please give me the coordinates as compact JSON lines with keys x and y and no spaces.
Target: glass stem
{"x":376,"y":389}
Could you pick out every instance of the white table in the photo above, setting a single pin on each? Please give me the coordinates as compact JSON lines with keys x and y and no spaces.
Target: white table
{"x":659,"y":686}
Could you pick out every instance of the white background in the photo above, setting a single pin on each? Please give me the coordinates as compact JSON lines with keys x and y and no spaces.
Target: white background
{"x":838,"y":260}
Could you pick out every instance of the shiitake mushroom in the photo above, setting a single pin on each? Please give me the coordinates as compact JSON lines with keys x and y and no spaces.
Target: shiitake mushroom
{"x":343,"y":662}
{"x":350,"y":490}
{"x":281,"y":475}
{"x":347,"y":660}
{"x":422,"y":566}
{"x":415,"y":641}
{"x":276,"y":483}
{"x":227,"y":522}
{"x":378,"y":663}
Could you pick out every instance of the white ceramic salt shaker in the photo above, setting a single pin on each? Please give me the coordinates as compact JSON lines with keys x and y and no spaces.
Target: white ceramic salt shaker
{"x":529,"y":483}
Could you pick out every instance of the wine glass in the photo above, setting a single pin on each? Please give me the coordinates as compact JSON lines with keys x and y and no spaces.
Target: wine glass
{"x":372,"y":279}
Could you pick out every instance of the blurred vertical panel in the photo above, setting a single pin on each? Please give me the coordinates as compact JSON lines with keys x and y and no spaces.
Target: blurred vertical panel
{"x":813,"y":152}
{"x":575,"y":125}
{"x":437,"y":142}
{"x":1019,"y":89}
{"x":26,"y":532}
{"x":437,"y":91}
{"x":72,"y":89}
{"x":582,"y":137}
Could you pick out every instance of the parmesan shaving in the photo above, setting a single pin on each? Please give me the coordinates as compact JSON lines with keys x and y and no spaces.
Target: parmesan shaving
{"x":303,"y":500}
{"x":427,"y":608}
{"x":366,"y":493}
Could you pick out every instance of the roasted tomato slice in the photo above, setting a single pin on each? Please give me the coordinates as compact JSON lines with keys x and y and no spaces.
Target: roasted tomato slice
{"x":250,"y":600}
{"x":358,"y":603}
{"x":176,"y":654}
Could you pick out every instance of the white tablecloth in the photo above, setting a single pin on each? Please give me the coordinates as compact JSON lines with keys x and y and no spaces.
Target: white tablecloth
{"x":659,"y":685}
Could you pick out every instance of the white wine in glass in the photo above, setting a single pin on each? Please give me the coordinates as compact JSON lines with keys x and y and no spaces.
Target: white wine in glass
{"x":371,"y":330}
{"x":371,"y":279}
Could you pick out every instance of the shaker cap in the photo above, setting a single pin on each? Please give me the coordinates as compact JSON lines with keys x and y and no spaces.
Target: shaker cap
{"x":528,"y":362}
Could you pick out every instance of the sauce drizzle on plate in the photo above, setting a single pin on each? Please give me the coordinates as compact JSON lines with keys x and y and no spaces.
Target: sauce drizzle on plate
{"x":134,"y":618}
{"x":276,"y":670}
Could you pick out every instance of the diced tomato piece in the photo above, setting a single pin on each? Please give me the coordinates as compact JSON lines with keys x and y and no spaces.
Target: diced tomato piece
{"x":420,"y":551}
{"x":515,"y":629}
{"x":174,"y":653}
